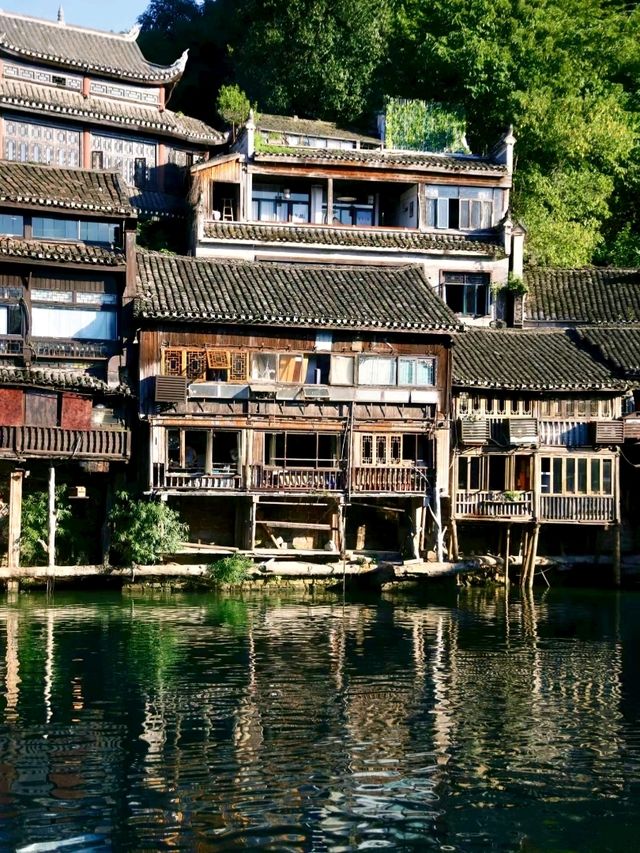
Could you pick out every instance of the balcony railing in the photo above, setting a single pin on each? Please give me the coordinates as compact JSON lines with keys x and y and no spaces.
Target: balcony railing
{"x":599,"y":508}
{"x":220,"y":478}
{"x":57,"y":442}
{"x":297,"y":479}
{"x":494,"y":505}
{"x":391,"y":479}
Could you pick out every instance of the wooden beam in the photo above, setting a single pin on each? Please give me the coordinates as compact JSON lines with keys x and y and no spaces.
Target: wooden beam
{"x":296,"y":525}
{"x":15,"y":519}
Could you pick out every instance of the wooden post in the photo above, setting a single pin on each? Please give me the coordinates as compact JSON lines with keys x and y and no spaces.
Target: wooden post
{"x":253,"y":515}
{"x":524,"y":547}
{"x":454,"y":551}
{"x":341,"y":521}
{"x":52,"y":518}
{"x":617,"y":558}
{"x":329,"y":201}
{"x":439,"y":532}
{"x":507,"y":544}
{"x":532,"y":560}
{"x":15,"y":519}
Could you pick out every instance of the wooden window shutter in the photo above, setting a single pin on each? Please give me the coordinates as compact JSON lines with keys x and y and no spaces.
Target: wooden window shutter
{"x":172,"y":362}
{"x":218,"y":360}
{"x":239,"y":366}
{"x":196,"y":364}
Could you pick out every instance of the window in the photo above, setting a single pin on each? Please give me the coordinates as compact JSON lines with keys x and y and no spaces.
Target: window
{"x":264,"y":366}
{"x":191,"y":363}
{"x":97,"y":160}
{"x":10,"y":320}
{"x":576,"y":475}
{"x":57,"y":314}
{"x":469,"y":468}
{"x":300,"y":450}
{"x":405,"y":370}
{"x":279,"y":204}
{"x":49,"y":228}
{"x":140,"y":172}
{"x":11,"y":224}
{"x":98,"y":232}
{"x":292,"y":368}
{"x":460,"y":208}
{"x":467,"y":293}
{"x":394,"y":449}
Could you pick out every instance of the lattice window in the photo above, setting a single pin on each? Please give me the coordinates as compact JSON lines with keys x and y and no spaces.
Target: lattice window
{"x":366,"y":450}
{"x":396,"y":449}
{"x":218,"y":360}
{"x":196,"y":364}
{"x":173,"y":362}
{"x":239,"y":367}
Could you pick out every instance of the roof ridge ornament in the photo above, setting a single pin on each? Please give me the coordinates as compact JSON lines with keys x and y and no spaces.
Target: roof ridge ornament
{"x":133,"y":33}
{"x":61,"y":15}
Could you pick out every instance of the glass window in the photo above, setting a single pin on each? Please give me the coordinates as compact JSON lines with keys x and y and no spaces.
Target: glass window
{"x":54,"y":229}
{"x":582,"y":476}
{"x":264,"y":366}
{"x":467,"y":293}
{"x":376,"y":370}
{"x":98,"y":232}
{"x":73,"y":323}
{"x":606,"y":476}
{"x":596,"y":482}
{"x":416,"y":371}
{"x":341,"y":370}
{"x":11,"y":224}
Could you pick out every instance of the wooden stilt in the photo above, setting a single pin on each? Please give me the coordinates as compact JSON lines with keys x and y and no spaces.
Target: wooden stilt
{"x":507,"y":544}
{"x":453,"y":543}
{"x":524,"y":546}
{"x":15,"y":519}
{"x":253,"y":515}
{"x":532,"y":560}
{"x":617,"y":556}
{"x":51,"y":547}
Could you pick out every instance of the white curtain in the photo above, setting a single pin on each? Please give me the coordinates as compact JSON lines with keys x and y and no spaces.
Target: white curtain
{"x":73,"y":323}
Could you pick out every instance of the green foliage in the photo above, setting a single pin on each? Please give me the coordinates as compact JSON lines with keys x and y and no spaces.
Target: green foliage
{"x":624,"y":248}
{"x":142,"y":530}
{"x":420,"y":126}
{"x":233,"y":106}
{"x":516,"y":285}
{"x":230,"y":570}
{"x":34,"y":532}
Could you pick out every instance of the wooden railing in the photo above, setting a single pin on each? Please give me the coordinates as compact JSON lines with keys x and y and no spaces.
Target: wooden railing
{"x":601,"y":508}
{"x":297,"y":479}
{"x":397,"y":478}
{"x":494,"y":505}
{"x":57,"y":442}
{"x":221,"y":478}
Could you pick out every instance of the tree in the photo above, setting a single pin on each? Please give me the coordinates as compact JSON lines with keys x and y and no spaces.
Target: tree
{"x":233,"y":106}
{"x":143,"y":530}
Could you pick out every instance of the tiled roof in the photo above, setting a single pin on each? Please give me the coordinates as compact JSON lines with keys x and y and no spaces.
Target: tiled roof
{"x":294,"y":126}
{"x":70,"y":189}
{"x":63,"y":253}
{"x":380,"y":159}
{"x":166,"y":206}
{"x":247,"y":293}
{"x":72,"y":105}
{"x":618,"y":346}
{"x":540,"y":360}
{"x":51,"y":378}
{"x":81,"y":49}
{"x":370,"y":238}
{"x":588,"y":295}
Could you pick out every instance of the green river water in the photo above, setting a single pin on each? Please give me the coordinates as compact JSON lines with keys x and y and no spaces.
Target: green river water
{"x":455,"y":722}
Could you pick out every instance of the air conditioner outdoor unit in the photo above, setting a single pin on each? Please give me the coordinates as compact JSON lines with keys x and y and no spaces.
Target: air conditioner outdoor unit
{"x":171,"y":389}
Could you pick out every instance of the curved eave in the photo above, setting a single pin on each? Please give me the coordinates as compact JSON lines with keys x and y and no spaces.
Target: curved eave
{"x":118,"y":121}
{"x":365,"y":162}
{"x":155,"y":75}
{"x":313,"y":322}
{"x":514,"y":386}
{"x":67,"y":204}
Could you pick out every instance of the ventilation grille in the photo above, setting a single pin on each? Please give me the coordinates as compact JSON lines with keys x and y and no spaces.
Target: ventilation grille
{"x":474,"y":432}
{"x":609,"y":432}
{"x":171,"y":389}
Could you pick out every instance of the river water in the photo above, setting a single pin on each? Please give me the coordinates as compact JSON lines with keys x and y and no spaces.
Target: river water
{"x":457,"y":722}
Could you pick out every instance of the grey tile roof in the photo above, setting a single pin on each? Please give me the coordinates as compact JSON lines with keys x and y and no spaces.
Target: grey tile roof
{"x":81,"y":49}
{"x":166,"y":206}
{"x":201,"y":290}
{"x":537,"y":360}
{"x":68,"y":189}
{"x":45,"y":377}
{"x":64,"y":253}
{"x":330,"y":235}
{"x":383,"y":159}
{"x":72,"y":105}
{"x":618,"y":346}
{"x":294,"y":126}
{"x":589,"y":295}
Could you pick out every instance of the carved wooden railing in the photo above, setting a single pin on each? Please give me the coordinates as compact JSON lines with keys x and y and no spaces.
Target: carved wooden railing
{"x":57,"y":442}
{"x":392,"y":479}
{"x":601,"y":508}
{"x":494,"y":505}
{"x":297,"y":479}
{"x":223,"y":477}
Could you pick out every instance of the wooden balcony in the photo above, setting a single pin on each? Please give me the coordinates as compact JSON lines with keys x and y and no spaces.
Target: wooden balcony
{"x":58,"y":443}
{"x":392,"y":479}
{"x":269,"y":479}
{"x":220,"y":478}
{"x":578,"y":508}
{"x":494,"y":505}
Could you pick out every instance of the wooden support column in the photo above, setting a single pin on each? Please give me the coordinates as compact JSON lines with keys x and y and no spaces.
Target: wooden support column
{"x":507,"y":544}
{"x":532,"y":559}
{"x":208,"y":458}
{"x":15,"y":519}
{"x":617,"y":556}
{"x":341,"y":521}
{"x":422,"y":207}
{"x":454,"y":551}
{"x":253,"y":515}
{"x":335,"y":525}
{"x":52,"y":518}
{"x":329,"y":201}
